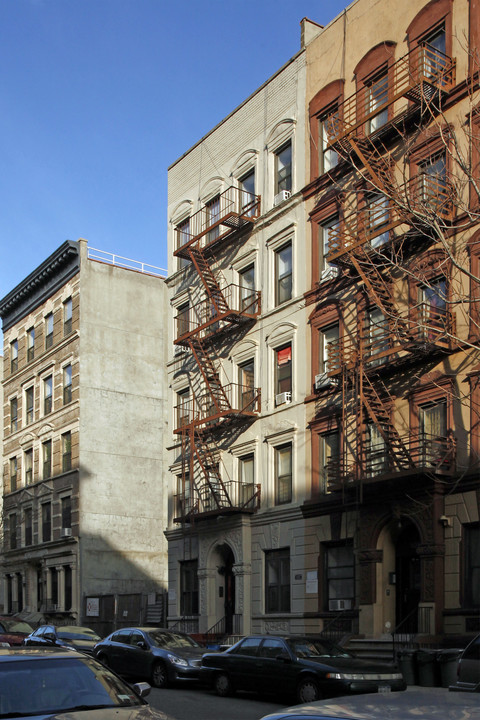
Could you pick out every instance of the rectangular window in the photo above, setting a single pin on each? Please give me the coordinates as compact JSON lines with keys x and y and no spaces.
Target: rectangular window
{"x":12,"y":527}
{"x":377,"y":337}
{"x":277,"y":581}
{"x":67,"y":384}
{"x":433,"y":432}
{"x":47,"y":395}
{"x":46,"y":522}
{"x":433,"y":308}
{"x":28,"y":526}
{"x":471,"y":578}
{"x":28,"y":466}
{"x":377,"y":99}
{"x":30,"y":344}
{"x":247,"y":200}
{"x":183,"y":237}
{"x":283,"y":374}
{"x":13,"y":474}
{"x":328,"y":236}
{"x":283,"y":474}
{"x":183,"y":319}
{"x":29,"y":405}
{"x":376,"y":455}
{"x":329,"y":448}
{"x":66,"y":451}
{"x":433,"y":182}
{"x":183,"y":408}
{"x":67,"y":316}
{"x":339,"y":577}
{"x":283,"y":274}
{"x":247,"y":479}
{"x":13,"y":415}
{"x":246,"y":379}
{"x":283,"y":168}
{"x":433,"y":58}
{"x":189,"y":587}
{"x":247,"y":289}
{"x":329,"y":340}
{"x":212,"y":215}
{"x":68,"y":586}
{"x":67,"y":512}
{"x":47,"y":459}
{"x":328,"y":129}
{"x":48,"y":331}
{"x":184,"y":495}
{"x":377,"y":216}
{"x":14,"y":356}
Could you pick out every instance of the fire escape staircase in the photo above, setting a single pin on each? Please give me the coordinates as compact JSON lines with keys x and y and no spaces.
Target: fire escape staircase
{"x":209,"y":411}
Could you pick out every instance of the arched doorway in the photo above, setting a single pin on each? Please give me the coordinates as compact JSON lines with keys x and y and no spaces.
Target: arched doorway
{"x":407,"y":576}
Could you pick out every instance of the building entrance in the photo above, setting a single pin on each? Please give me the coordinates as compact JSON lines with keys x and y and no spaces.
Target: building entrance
{"x":407,"y":578}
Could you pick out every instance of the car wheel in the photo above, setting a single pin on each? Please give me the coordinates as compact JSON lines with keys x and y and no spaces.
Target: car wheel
{"x":159,"y":675}
{"x":223,"y":685}
{"x":307,"y":690}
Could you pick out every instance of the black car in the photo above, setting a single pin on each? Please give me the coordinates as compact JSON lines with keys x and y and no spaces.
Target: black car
{"x":159,"y":655}
{"x":468,"y":668}
{"x":306,"y":669}
{"x":41,"y":683}
{"x":71,"y":636}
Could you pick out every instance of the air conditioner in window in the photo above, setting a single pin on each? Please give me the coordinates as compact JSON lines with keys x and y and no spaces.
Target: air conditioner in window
{"x":281,"y":197}
{"x":339,"y":604}
{"x":282,"y":398}
{"x":66,"y":532}
{"x":179,"y":350}
{"x":322,"y":381}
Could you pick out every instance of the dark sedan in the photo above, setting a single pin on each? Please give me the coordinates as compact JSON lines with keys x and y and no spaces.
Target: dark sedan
{"x":155,"y":654}
{"x":70,"y":636}
{"x":306,"y":669}
{"x":13,"y":631}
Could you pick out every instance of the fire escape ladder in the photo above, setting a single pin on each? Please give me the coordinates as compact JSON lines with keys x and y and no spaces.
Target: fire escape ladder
{"x":376,"y":165}
{"x":212,"y":491}
{"x":209,"y":373}
{"x":378,"y":410}
{"x":209,"y":280}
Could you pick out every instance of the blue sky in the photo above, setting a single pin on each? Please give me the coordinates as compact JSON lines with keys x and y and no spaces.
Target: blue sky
{"x":99,"y":97}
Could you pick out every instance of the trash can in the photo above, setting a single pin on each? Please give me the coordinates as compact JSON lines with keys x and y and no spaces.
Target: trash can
{"x":406,"y":659}
{"x":447,"y":660}
{"x":428,"y":669}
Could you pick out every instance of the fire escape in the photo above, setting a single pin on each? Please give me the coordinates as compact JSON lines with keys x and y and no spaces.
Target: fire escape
{"x":387,"y":223}
{"x":214,"y":406}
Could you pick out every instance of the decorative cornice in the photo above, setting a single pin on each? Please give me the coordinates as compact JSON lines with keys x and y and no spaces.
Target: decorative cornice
{"x":46,"y":279}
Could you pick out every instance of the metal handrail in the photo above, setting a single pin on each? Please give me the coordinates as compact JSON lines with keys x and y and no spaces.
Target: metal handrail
{"x":127,"y":263}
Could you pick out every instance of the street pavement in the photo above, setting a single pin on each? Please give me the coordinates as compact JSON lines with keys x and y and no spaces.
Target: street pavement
{"x":196,"y":703}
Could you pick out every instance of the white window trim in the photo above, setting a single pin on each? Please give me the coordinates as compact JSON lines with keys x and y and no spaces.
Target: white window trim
{"x":274,"y":441}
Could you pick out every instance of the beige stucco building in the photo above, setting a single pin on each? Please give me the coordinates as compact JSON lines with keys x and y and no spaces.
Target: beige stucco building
{"x":84,"y":492}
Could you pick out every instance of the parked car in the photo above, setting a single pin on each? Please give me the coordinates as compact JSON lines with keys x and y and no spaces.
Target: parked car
{"x":71,"y":636}
{"x":13,"y":631}
{"x":305,"y":668}
{"x":68,"y":685}
{"x":468,"y":668}
{"x":160,"y":655}
{"x":422,"y":704}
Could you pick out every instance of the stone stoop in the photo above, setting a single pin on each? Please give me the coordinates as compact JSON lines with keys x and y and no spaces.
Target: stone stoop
{"x":380,"y":648}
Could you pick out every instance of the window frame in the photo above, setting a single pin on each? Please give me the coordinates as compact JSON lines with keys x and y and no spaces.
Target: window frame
{"x":288,"y":276}
{"x":283,"y":481}
{"x":28,"y":466}
{"x":283,"y":180}
{"x":13,"y":406}
{"x":47,"y":385}
{"x":46,"y":515}
{"x":328,"y":580}
{"x":280,"y":377}
{"x":29,"y":395}
{"x":48,"y":325}
{"x":66,"y":440}
{"x":13,"y":473}
{"x":47,"y":459}
{"x":67,"y":317}
{"x":67,"y":373}
{"x":278,"y":561}
{"x":14,"y":356}
{"x":30,"y":344}
{"x":189,"y":587}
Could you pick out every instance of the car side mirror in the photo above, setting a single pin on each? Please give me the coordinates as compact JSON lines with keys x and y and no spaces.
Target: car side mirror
{"x":142,"y":688}
{"x":142,"y":644}
{"x":283,"y":656}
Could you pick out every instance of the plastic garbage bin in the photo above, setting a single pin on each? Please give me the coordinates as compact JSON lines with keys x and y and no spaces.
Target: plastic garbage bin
{"x":428,"y":669}
{"x":406,"y":659}
{"x":447,"y":660}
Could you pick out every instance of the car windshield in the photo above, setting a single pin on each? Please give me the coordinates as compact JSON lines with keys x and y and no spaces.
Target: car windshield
{"x":172,"y":639}
{"x":305,"y":648}
{"x":13,"y":625}
{"x":72,"y":633}
{"x":50,"y":685}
